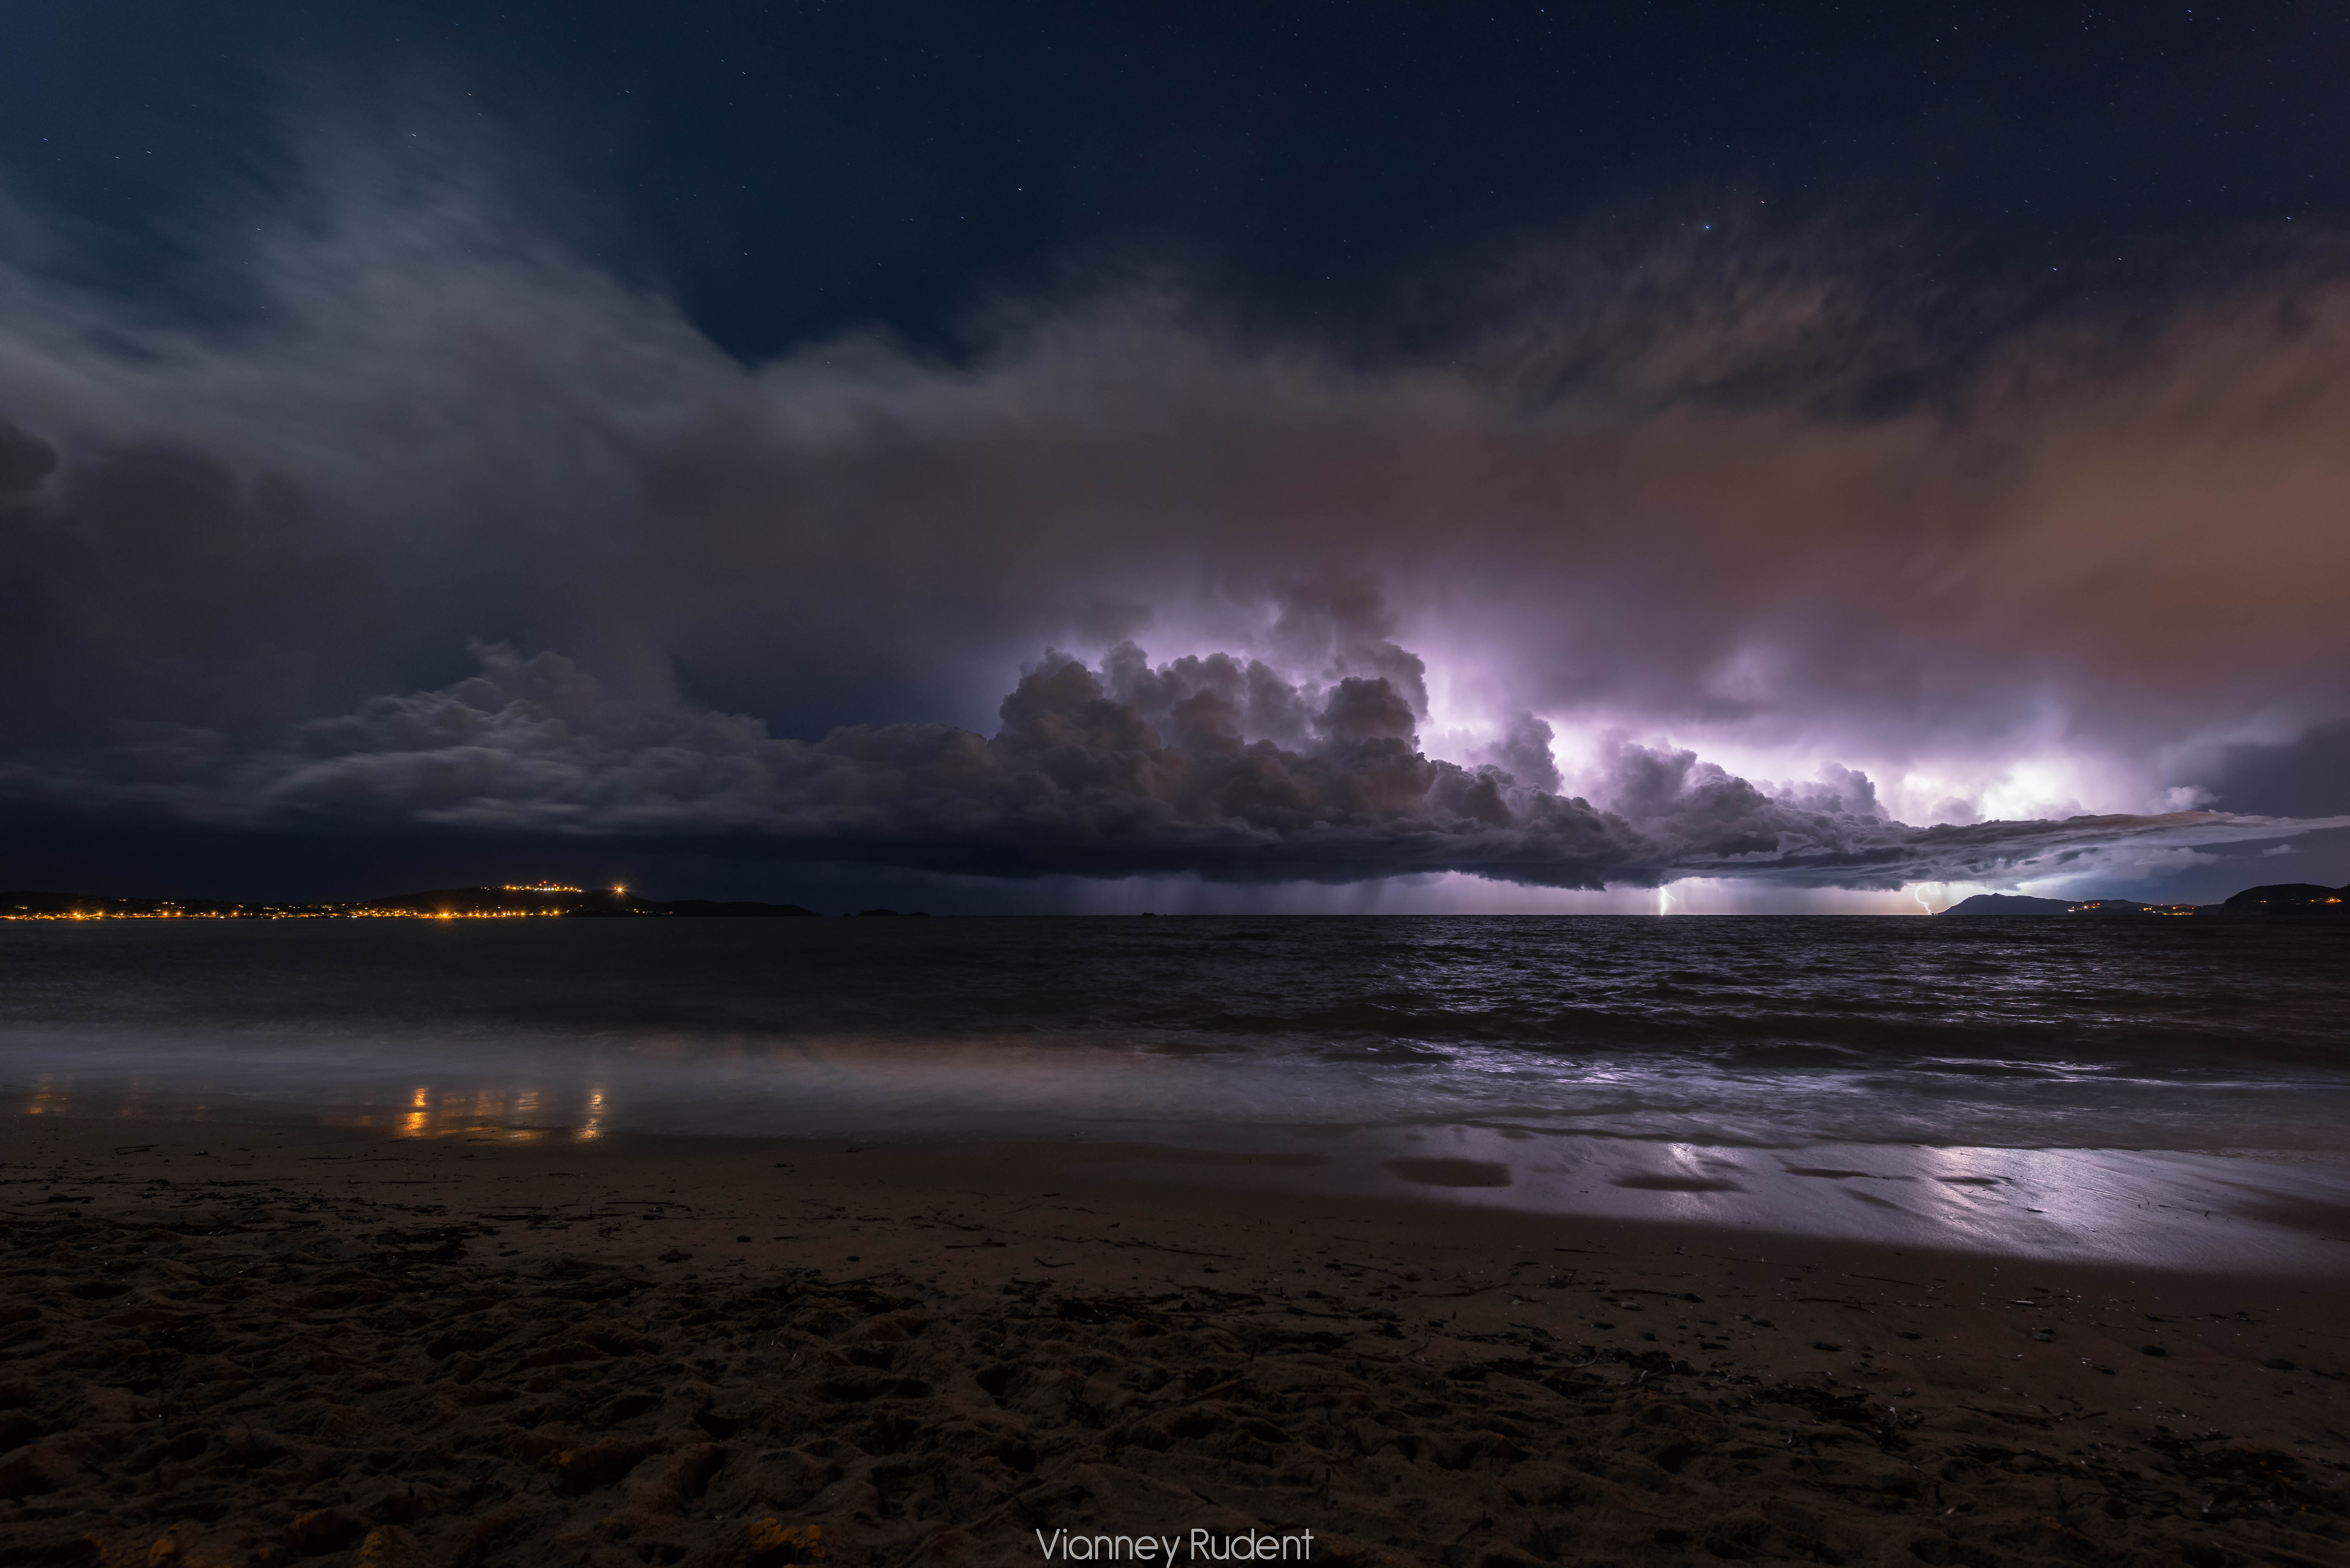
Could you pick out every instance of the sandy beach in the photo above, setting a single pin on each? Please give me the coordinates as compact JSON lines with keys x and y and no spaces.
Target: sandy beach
{"x":238,"y":1345}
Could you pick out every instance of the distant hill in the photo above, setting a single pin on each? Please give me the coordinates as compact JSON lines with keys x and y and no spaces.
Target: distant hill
{"x":442,"y":903}
{"x":2280,"y":901}
{"x":2008,"y":904}
{"x":2291,"y":896}
{"x":574,"y":902}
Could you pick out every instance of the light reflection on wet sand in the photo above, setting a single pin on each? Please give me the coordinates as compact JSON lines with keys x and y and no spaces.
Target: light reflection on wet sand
{"x":1559,"y":1145}
{"x":2289,"y":1214}
{"x":731,"y":1084}
{"x":2156,"y":1209}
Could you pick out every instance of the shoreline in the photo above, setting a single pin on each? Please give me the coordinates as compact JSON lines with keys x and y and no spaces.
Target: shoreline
{"x":235,"y":1344}
{"x":2273,"y":1211}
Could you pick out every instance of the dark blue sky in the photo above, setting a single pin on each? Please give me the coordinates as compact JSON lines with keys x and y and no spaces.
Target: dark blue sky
{"x":793,"y":169}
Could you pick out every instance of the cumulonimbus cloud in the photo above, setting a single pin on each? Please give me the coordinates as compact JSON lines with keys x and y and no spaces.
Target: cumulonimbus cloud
{"x":1217,"y":765}
{"x":1709,"y":490}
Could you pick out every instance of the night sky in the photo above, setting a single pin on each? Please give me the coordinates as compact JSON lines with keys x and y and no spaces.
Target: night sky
{"x":1308,"y":457}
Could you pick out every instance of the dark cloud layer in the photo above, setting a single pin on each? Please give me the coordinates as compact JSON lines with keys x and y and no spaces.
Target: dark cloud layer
{"x":153,"y":585}
{"x":1671,"y":489}
{"x":1214,"y":765}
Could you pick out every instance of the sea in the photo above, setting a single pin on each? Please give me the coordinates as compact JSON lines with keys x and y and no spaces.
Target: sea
{"x":1580,"y":1062}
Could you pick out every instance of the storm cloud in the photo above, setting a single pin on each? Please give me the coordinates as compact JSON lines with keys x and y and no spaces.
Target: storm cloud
{"x":1484,"y":606}
{"x":1130,"y":769}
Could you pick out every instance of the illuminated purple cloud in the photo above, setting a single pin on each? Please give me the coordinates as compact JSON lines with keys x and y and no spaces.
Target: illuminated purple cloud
{"x":1601,"y":535}
{"x":1219,"y":766}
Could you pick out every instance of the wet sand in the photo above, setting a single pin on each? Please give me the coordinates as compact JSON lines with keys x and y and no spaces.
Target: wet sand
{"x":237,"y":1344}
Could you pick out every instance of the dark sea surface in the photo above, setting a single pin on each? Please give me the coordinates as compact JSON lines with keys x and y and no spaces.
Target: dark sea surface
{"x":1721,"y":1031}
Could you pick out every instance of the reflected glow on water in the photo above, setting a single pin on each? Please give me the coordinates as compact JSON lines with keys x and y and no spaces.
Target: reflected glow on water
{"x":1724,"y":1034}
{"x":883,"y":1089}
